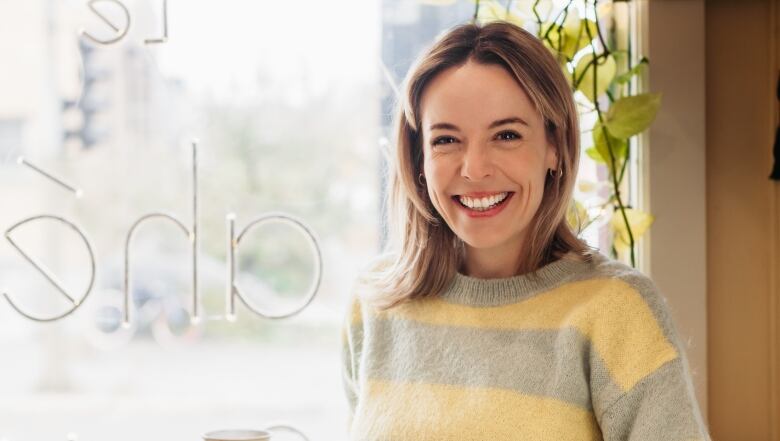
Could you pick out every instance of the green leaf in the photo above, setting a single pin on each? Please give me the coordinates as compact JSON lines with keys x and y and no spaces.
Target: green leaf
{"x":571,"y":33}
{"x":619,"y":54}
{"x":552,"y":35}
{"x":595,"y":155}
{"x":639,"y":222}
{"x":632,"y":114}
{"x":626,"y":77}
{"x":572,"y":23}
{"x":619,"y":147}
{"x":576,"y":34}
{"x":604,"y":70}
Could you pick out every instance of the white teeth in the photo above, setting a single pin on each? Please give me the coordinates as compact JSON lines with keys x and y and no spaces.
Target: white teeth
{"x":483,"y":203}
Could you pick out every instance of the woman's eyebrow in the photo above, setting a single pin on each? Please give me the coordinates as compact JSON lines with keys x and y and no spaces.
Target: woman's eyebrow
{"x":510,"y":120}
{"x":494,"y":124}
{"x":444,"y":126}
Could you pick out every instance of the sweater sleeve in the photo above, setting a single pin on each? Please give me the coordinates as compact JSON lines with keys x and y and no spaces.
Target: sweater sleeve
{"x":655,"y":399}
{"x":660,"y":407}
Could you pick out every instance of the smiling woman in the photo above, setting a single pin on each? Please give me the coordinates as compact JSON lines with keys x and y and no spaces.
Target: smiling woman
{"x":487,"y":110}
{"x":487,"y":317}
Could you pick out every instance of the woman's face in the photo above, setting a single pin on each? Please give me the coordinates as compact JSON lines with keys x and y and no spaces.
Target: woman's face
{"x":483,"y":140}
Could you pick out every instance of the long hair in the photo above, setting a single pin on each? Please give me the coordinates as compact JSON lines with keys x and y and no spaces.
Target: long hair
{"x":423,"y":254}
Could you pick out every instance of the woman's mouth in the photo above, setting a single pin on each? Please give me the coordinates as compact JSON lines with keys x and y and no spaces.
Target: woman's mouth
{"x":484,"y":206}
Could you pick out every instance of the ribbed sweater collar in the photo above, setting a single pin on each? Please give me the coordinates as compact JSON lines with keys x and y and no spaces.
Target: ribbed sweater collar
{"x":499,"y":291}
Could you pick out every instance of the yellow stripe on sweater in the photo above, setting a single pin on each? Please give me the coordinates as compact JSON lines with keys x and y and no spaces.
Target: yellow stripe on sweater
{"x":438,"y":412}
{"x":611,"y":313}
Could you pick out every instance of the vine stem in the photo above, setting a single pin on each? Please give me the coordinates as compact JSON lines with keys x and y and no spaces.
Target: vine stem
{"x":564,"y":12}
{"x":536,"y":13}
{"x":613,"y":171}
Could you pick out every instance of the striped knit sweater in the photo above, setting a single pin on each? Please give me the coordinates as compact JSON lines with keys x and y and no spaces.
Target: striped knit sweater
{"x":584,"y":351}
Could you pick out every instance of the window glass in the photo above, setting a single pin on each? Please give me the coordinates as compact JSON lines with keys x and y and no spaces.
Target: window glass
{"x":289,"y":105}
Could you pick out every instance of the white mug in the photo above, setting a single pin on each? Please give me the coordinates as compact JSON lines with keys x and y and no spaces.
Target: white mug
{"x":249,"y":435}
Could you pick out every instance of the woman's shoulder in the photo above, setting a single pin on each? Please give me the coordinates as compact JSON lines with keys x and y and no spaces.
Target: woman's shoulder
{"x":602,"y":267}
{"x":636,"y":291}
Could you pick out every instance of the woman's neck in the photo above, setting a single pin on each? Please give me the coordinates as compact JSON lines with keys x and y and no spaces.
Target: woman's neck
{"x":492,"y":263}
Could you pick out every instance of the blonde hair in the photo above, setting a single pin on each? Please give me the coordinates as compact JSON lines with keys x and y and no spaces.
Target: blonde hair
{"x":423,"y":254}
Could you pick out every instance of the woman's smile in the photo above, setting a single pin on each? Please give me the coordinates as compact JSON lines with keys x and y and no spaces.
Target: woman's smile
{"x":483,"y":207}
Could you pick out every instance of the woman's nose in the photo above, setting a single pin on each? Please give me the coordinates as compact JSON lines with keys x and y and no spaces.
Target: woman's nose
{"x":477,"y":164}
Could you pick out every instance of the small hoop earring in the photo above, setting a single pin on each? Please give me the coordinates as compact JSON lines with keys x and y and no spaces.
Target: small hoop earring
{"x":555,"y":175}
{"x":420,"y":179}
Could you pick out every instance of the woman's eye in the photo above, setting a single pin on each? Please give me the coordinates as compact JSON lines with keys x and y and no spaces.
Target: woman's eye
{"x":443,"y":140}
{"x":508,"y":136}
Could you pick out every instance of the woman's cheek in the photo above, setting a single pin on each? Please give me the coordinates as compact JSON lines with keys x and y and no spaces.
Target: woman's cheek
{"x":432,"y":195}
